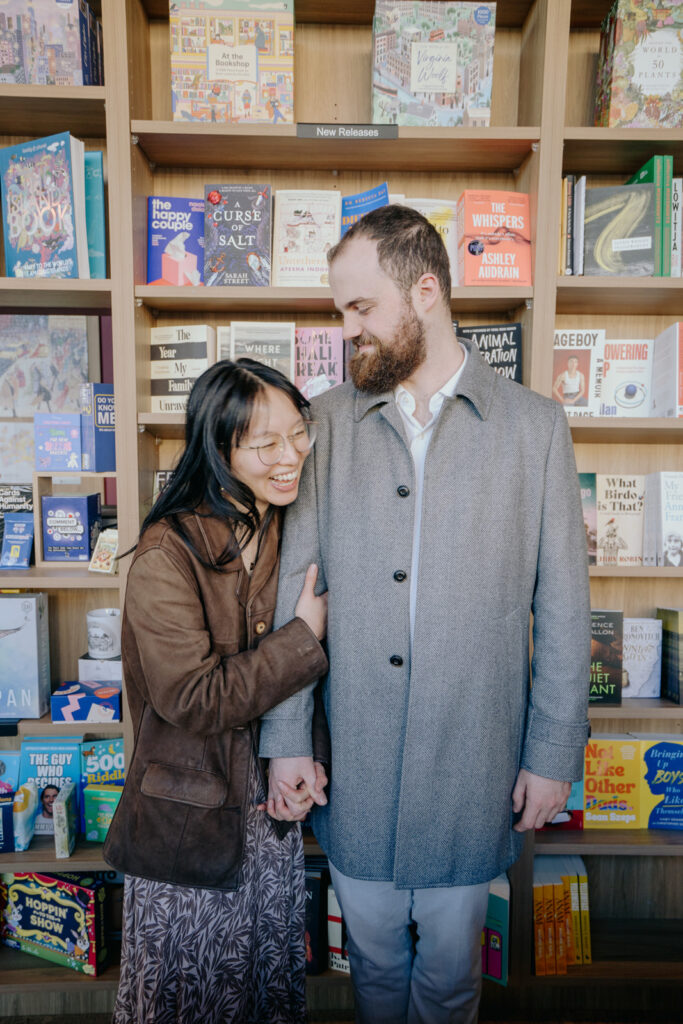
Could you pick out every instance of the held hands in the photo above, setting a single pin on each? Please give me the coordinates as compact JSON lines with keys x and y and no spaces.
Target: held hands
{"x":538,"y":799}
{"x":312,"y":609}
{"x":295,"y":784}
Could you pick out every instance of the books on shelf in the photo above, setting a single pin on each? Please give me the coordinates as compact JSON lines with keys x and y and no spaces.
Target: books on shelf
{"x":179,"y":354}
{"x":232,"y":61}
{"x":50,"y":42}
{"x":268,"y":342}
{"x":494,"y":238}
{"x":432,"y":63}
{"x":500,"y":345}
{"x":659,"y":171}
{"x":632,"y":781}
{"x":307,"y":223}
{"x":317,"y":882}
{"x":356,"y":206}
{"x":561,"y":914}
{"x":237,"y":230}
{"x":24,"y":656}
{"x":17,"y":453}
{"x":672,"y":653}
{"x":620,"y":519}
{"x":663,"y":520}
{"x":98,"y":423}
{"x":51,"y":764}
{"x":42,"y":183}
{"x":626,"y":383}
{"x":318,"y":359}
{"x":175,"y":240}
{"x":95,"y":221}
{"x":619,"y":231}
{"x":642,"y":658}
{"x":639,"y":66}
{"x":667,"y":372}
{"x":44,"y":359}
{"x":607,"y":639}
{"x":676,"y":226}
{"x":442,"y":215}
{"x":588,"y":485}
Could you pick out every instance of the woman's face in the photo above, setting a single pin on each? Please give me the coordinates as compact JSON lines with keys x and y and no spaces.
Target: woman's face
{"x":274,"y":417}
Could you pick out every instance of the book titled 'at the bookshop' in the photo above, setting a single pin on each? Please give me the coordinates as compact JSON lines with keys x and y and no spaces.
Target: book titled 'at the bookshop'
{"x":232,"y":60}
{"x":237,"y":235}
{"x":494,"y":238}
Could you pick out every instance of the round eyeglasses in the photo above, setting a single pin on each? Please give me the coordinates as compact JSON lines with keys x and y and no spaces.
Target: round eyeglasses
{"x":270,"y":450}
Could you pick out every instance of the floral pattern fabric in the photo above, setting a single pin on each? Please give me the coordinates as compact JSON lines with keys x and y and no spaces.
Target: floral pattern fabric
{"x":206,"y":956}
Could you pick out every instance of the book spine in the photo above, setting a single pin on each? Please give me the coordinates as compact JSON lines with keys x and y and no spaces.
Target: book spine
{"x":94,"y":214}
{"x":84,"y":35}
{"x":586,"y":951}
{"x":676,"y":226}
{"x":560,"y":928}
{"x":576,"y":917}
{"x":539,"y":930}
{"x":579,"y":210}
{"x":562,"y":251}
{"x":549,"y":931}
{"x":659,"y":220}
{"x":667,"y":176}
{"x":569,"y":256}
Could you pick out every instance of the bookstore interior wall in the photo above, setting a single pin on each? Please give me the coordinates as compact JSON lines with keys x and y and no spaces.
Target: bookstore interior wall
{"x":545,"y":61}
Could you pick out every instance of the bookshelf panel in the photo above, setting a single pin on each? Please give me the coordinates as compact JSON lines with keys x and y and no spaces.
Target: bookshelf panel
{"x":620,"y":295}
{"x":48,"y":109}
{"x":21,"y":972}
{"x":40,"y":857}
{"x":618,"y":150}
{"x":19,"y":295}
{"x":626,"y":430}
{"x":652,"y":709}
{"x":87,"y":730}
{"x":608,"y":842}
{"x":46,"y":578}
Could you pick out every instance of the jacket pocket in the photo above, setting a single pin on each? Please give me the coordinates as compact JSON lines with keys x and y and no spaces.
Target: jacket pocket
{"x":192,"y":786}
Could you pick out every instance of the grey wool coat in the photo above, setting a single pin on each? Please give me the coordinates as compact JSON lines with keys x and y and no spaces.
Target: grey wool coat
{"x":426,"y":746}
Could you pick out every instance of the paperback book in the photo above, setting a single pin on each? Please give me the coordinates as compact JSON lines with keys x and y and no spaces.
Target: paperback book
{"x":577,"y":370}
{"x":494,"y":238}
{"x":356,"y":206}
{"x":101,"y":764}
{"x":50,"y":764}
{"x":612,"y":783}
{"x":607,"y":644}
{"x":179,"y":354}
{"x":175,"y":240}
{"x":667,"y":372}
{"x":663,"y":520}
{"x":619,"y":231}
{"x":626,"y":386}
{"x":642,"y":658}
{"x":307,"y":223}
{"x":46,"y":43}
{"x":620,"y":505}
{"x":588,"y":485}
{"x":94,"y":213}
{"x":441,"y":214}
{"x":43,"y":362}
{"x":237,"y":235}
{"x":500,"y":345}
{"x":271,"y":343}
{"x":672,"y":653}
{"x":318,"y":359}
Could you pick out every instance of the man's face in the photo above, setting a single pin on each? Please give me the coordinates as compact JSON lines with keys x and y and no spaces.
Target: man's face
{"x":48,"y":798}
{"x":387,"y":334}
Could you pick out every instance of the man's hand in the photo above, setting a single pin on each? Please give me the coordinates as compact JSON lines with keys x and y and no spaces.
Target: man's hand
{"x":539,"y":799}
{"x":295,"y":784}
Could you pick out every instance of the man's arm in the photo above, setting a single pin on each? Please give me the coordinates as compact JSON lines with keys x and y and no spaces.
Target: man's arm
{"x":557,"y":722}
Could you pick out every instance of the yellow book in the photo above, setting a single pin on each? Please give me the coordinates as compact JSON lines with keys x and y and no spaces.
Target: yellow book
{"x":586,"y":954}
{"x":572,"y":915}
{"x":560,"y":925}
{"x":549,"y":918}
{"x":661,"y":781}
{"x":611,"y":785}
{"x":539,"y":927}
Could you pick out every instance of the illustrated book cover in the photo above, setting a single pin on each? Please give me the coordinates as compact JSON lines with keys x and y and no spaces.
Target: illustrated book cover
{"x":500,"y":345}
{"x":494,"y":238}
{"x":607,"y":648}
{"x":24,"y":656}
{"x":237,"y":227}
{"x":318,"y":359}
{"x":175,"y":240}
{"x":307,"y":223}
{"x":619,"y":231}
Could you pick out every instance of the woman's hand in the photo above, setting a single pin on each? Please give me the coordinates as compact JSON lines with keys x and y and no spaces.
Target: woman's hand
{"x":312,"y":609}
{"x":288,"y":802}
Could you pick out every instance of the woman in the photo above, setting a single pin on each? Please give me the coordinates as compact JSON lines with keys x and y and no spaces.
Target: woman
{"x":214,"y":892}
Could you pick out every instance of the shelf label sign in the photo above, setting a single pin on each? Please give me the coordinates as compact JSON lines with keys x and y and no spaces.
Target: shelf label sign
{"x":347,"y":131}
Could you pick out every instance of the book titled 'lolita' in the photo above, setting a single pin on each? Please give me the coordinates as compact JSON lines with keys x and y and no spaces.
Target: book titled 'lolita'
{"x":237,"y":235}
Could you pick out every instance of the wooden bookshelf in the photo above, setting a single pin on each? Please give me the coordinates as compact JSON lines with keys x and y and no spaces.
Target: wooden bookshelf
{"x":40,"y":857}
{"x":619,"y":151}
{"x":87,"y":730}
{"x":612,"y":842}
{"x":54,"y":294}
{"x":630,"y":430}
{"x":23,"y":973}
{"x":47,"y":578}
{"x":621,"y":296}
{"x":636,"y":709}
{"x":46,"y":109}
{"x":642,"y":572}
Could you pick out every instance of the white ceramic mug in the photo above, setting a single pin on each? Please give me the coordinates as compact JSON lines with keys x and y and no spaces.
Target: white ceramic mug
{"x":104,"y":632}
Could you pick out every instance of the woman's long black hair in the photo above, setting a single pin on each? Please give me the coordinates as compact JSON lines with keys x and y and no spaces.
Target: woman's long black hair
{"x":219,"y":411}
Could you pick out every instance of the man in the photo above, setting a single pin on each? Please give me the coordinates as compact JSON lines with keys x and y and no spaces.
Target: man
{"x":442,"y":506}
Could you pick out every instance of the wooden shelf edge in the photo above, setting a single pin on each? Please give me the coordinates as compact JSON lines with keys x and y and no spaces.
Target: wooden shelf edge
{"x":641,"y":572}
{"x":73,"y":578}
{"x":40,"y":858}
{"x":637,"y":708}
{"x":617,"y":429}
{"x":55,"y":293}
{"x":612,"y":842}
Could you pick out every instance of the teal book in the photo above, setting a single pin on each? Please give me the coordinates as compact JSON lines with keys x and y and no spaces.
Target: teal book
{"x":94,"y":214}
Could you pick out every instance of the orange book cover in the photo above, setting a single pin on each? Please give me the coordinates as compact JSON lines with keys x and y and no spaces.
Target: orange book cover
{"x":549,"y":917}
{"x":560,"y":928}
{"x":539,"y":928}
{"x":494,"y":238}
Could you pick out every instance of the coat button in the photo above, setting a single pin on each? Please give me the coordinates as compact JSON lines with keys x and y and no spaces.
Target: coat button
{"x":260,"y":628}
{"x":400,"y":575}
{"x":403,"y":491}
{"x":396,"y":660}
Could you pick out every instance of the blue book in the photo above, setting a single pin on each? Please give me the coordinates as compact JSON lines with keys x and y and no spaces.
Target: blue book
{"x":84,"y":31}
{"x":237,"y":235}
{"x":175,"y":240}
{"x":98,"y":421}
{"x":102,"y":764}
{"x":71,"y":526}
{"x":50,"y":763}
{"x":94,"y":213}
{"x":17,"y":541}
{"x":9,"y":770}
{"x":43,"y":208}
{"x":356,"y":206}
{"x":57,"y":438}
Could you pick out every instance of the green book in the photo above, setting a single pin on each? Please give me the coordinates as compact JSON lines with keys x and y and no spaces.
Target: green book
{"x":658,"y":171}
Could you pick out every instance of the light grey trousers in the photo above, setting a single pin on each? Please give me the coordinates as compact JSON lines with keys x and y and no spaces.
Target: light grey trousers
{"x":438,"y":981}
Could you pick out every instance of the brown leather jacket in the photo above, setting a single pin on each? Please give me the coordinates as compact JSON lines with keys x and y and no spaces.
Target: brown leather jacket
{"x":201,"y":665}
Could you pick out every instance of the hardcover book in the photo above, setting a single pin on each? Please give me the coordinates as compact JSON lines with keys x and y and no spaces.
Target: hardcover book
{"x":642,"y":658}
{"x":98,"y":423}
{"x":94,"y":213}
{"x":607,"y":643}
{"x":179,"y":354}
{"x":43,"y":362}
{"x":588,"y":485}
{"x":676,"y":226}
{"x":232,"y":60}
{"x":50,"y":764}
{"x":500,"y":345}
{"x":612,"y":783}
{"x":356,"y":206}
{"x":494,"y":238}
{"x":43,"y":208}
{"x":619,"y":231}
{"x":578,"y":369}
{"x":661,"y":758}
{"x":318,"y":359}
{"x":667,"y":372}
{"x":24,"y":656}
{"x":672,"y":653}
{"x":45,"y":42}
{"x":175,"y":240}
{"x":659,"y":171}
{"x":620,"y":504}
{"x":269,"y":343}
{"x":432,"y":63}
{"x":663,"y":522}
{"x":307,"y":223}
{"x":237,"y":235}
{"x":441,"y":214}
{"x":626,"y":387}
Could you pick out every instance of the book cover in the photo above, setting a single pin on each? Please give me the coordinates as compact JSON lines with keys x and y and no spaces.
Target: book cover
{"x":43,"y":208}
{"x":663,"y":528}
{"x":17,"y":540}
{"x":672,"y":653}
{"x":619,"y":231}
{"x":237,"y":235}
{"x":317,"y":882}
{"x":578,"y":214}
{"x":494,"y":238}
{"x":41,"y":42}
{"x":620,"y":502}
{"x":232,"y":61}
{"x":57,"y":439}
{"x":14,"y":498}
{"x":588,"y":485}
{"x":17,"y":453}
{"x":607,"y":645}
{"x":59,"y":918}
{"x":626,"y":387}
{"x":86,"y":701}
{"x":676,"y":226}
{"x":336,"y":935}
{"x":175,"y":240}
{"x":24,"y":656}
{"x":667,"y":372}
{"x":642,"y":64}
{"x":51,"y":764}
{"x":612,"y":783}
{"x":653,"y":172}
{"x":271,"y":343}
{"x":500,"y":345}
{"x":100,"y":803}
{"x":318,"y":359}
{"x":307,"y":223}
{"x":441,"y":214}
{"x":94,"y":213}
{"x":104,"y":556}
{"x":179,"y":354}
{"x":356,"y":206}
{"x":577,"y":370}
{"x":98,"y":423}
{"x":432,"y":63}
{"x":642,"y":658}
{"x":65,"y":820}
{"x":43,"y":362}
{"x":71,"y":525}
{"x":101,"y":764}
{"x":496,"y":938}
{"x":161,"y":478}
{"x":661,"y":781}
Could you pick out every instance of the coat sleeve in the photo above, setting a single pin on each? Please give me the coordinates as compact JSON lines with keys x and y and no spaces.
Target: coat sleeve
{"x":188,"y":683}
{"x":557,"y":726}
{"x":286,"y":730}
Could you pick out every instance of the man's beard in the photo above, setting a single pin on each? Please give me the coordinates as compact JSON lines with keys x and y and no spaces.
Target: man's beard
{"x":389,"y":365}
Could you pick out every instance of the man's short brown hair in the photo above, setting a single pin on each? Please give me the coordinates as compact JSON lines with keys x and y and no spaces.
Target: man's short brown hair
{"x":408,"y":246}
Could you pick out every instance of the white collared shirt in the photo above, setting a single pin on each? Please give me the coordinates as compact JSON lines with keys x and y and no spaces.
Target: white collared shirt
{"x":419,"y":438}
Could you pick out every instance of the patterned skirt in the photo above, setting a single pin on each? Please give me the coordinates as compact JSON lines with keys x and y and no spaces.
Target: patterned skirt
{"x":205,"y":956}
